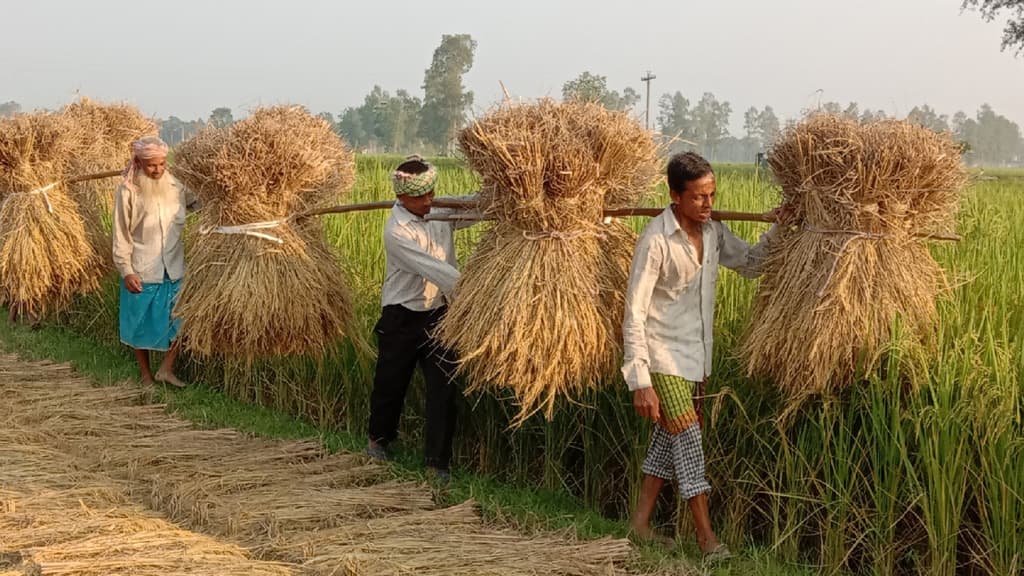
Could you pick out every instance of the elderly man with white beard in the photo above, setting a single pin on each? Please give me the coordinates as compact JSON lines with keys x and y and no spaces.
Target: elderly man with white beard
{"x":149,"y":218}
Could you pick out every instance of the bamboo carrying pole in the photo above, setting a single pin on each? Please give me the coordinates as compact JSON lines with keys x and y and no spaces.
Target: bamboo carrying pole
{"x":721,"y":215}
{"x":96,"y":176}
{"x":472,"y":215}
{"x":381,"y":205}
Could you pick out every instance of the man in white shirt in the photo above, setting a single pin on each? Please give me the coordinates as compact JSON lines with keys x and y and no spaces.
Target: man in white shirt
{"x":667,"y":331}
{"x":149,"y":218}
{"x":420,"y":275}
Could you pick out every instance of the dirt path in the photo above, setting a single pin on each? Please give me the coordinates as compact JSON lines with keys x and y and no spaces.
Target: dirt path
{"x":97,"y":480}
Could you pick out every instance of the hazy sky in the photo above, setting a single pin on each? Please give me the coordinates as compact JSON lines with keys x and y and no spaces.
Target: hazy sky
{"x":188,"y":56}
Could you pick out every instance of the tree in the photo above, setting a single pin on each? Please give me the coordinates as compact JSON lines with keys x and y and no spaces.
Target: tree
{"x":629,"y":99}
{"x":403,"y":117}
{"x":769,"y":126}
{"x":958,"y":121}
{"x":589,"y":87}
{"x":350,"y":126}
{"x":762,"y":128}
{"x":586,"y":87}
{"x":674,"y":116}
{"x":988,"y":138}
{"x":751,"y":121}
{"x":852,"y":111}
{"x":383,"y":122}
{"x":1013,"y":33}
{"x":445,"y":99}
{"x":710,"y":122}
{"x":992,"y":138}
{"x":174,"y":130}
{"x":9,"y":108}
{"x":869,"y":115}
{"x":221,"y":117}
{"x":925,"y":116}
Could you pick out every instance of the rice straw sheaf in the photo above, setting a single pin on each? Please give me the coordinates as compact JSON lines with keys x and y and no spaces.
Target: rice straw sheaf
{"x":279,"y":290}
{"x":107,"y":131}
{"x":45,"y":254}
{"x":854,"y":263}
{"x":536,"y":310}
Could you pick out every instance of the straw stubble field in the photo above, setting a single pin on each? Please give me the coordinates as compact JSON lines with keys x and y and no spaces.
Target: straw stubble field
{"x":97,"y":481}
{"x":884,"y":478}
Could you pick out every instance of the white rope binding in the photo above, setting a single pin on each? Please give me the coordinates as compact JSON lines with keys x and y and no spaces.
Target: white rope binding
{"x":43,"y":191}
{"x":248,"y":230}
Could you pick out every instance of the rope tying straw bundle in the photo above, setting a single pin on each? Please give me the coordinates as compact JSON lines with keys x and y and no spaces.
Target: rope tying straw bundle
{"x":853,"y":235}
{"x":248,"y":230}
{"x":558,"y":235}
{"x":43,"y":191}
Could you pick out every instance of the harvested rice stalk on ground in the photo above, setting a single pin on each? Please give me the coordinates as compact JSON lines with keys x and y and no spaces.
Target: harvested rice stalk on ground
{"x":66,"y":535}
{"x":443,"y":542}
{"x":837,"y":281}
{"x":45,"y":255}
{"x":107,"y":131}
{"x":535,"y":310}
{"x":274,"y":289}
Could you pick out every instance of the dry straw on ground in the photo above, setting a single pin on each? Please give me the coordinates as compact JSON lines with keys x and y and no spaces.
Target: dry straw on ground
{"x":435,"y":543}
{"x":538,"y":309}
{"x":839,"y":278}
{"x":107,"y":131}
{"x":247,"y":295}
{"x":45,"y":254}
{"x":281,"y":500}
{"x":58,"y":521}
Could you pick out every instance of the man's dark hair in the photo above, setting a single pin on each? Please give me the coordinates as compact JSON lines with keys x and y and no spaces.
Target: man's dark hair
{"x":413,"y":167}
{"x":686,"y":167}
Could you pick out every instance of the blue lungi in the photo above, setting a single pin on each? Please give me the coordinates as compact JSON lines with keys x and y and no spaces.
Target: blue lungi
{"x":145,"y":318}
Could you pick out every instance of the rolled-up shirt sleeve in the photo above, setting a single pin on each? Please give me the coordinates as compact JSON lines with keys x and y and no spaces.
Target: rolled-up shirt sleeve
{"x":643,"y":275}
{"x":122,"y":232}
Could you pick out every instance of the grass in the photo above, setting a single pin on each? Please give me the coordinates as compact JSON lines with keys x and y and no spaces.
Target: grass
{"x":888,"y":478}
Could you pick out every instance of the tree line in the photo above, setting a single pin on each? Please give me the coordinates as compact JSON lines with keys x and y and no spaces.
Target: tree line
{"x":403,"y":121}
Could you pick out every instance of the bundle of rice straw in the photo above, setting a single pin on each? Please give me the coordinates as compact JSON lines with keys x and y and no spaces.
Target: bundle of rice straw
{"x":836,"y":282}
{"x":107,"y":131}
{"x":45,"y":255}
{"x":261,"y":284}
{"x":538,"y":309}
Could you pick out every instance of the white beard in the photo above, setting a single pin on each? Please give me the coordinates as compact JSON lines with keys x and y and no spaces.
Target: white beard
{"x":150,"y":188}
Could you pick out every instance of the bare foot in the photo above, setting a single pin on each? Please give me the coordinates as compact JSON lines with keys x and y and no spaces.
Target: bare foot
{"x":169,"y":378}
{"x":147,"y":381}
{"x":644,"y":532}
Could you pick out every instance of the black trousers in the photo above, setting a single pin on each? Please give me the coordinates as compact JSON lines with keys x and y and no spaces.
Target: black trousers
{"x":403,"y":340}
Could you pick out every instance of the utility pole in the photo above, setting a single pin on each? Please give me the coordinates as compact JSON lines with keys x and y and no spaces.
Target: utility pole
{"x":647,"y":115}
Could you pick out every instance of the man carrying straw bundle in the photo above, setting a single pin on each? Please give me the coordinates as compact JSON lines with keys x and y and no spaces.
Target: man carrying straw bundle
{"x":667,"y":336}
{"x":420,"y":277}
{"x":149,"y":218}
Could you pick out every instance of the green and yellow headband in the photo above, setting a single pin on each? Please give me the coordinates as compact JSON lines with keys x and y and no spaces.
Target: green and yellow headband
{"x":414,"y":184}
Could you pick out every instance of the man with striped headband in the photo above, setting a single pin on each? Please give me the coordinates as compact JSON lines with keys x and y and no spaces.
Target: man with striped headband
{"x":149,"y":218}
{"x":420,"y":275}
